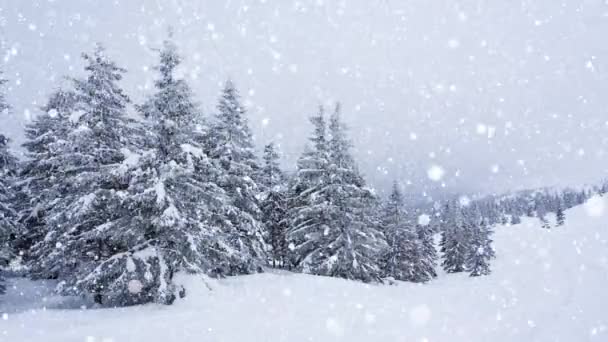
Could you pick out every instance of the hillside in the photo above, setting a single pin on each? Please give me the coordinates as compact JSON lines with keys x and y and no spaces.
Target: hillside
{"x":546,"y":285}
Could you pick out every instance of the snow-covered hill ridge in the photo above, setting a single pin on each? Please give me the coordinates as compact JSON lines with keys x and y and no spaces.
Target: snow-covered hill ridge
{"x":546,"y":285}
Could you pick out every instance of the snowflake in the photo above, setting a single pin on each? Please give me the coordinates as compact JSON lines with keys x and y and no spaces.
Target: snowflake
{"x":135,"y":286}
{"x":424,"y":220}
{"x":435,"y":173}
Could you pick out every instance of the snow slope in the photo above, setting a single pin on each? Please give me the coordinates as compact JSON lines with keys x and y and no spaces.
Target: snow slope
{"x":546,"y":286}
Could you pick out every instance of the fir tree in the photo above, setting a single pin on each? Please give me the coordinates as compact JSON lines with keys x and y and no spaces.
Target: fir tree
{"x":480,"y":252}
{"x":401,"y":258}
{"x":332,"y":230}
{"x":232,"y":147}
{"x":307,"y":218}
{"x":173,"y":209}
{"x":9,"y":225}
{"x":454,"y":240}
{"x":312,"y":165}
{"x":81,"y":221}
{"x":271,"y":174}
{"x":274,"y":206}
{"x":515,"y":219}
{"x":427,"y":254}
{"x":40,"y":176}
{"x":560,"y":216}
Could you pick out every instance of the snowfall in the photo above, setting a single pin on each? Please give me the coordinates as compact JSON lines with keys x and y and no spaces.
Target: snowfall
{"x":546,"y":285}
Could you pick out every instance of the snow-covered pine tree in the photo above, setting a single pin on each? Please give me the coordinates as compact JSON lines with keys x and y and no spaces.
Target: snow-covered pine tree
{"x":274,"y":206}
{"x":401,"y":258}
{"x":427,"y":254}
{"x":172,"y":211}
{"x":81,"y":221}
{"x":40,"y":175}
{"x":454,"y":239}
{"x":480,"y":248}
{"x":271,"y":174}
{"x":306,"y":211}
{"x":515,"y":219}
{"x":333,"y":230}
{"x":312,"y":165}
{"x":504,"y":219}
{"x":560,"y":216}
{"x":231,"y":145}
{"x":9,"y":225}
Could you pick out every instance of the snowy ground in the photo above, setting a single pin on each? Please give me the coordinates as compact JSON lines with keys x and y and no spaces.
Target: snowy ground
{"x":546,"y":286}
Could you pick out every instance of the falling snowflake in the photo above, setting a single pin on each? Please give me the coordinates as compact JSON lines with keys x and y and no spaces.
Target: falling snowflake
{"x":135,"y":286}
{"x":424,"y":220}
{"x":464,"y":201}
{"x":453,"y":43}
{"x":435,"y":173}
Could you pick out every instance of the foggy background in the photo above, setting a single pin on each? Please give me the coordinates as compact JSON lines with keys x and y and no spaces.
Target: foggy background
{"x":488,"y":96}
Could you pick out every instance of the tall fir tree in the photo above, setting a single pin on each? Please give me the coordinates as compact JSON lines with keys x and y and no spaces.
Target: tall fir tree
{"x":274,"y":207}
{"x":427,"y":254}
{"x":332,"y":228}
{"x":515,"y":219}
{"x":454,"y":239}
{"x":81,"y":221}
{"x":9,"y":225}
{"x":231,"y":145}
{"x":40,"y":175}
{"x":312,"y":165}
{"x":401,"y":257}
{"x":306,"y":218}
{"x":560,"y":216}
{"x":173,"y":209}
{"x":271,"y":174}
{"x":480,"y":251}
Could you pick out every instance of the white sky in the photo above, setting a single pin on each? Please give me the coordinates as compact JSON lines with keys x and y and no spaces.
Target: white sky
{"x":494,"y":94}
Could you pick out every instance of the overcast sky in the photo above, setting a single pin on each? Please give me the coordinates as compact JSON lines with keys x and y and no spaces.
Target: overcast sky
{"x":497,"y":94}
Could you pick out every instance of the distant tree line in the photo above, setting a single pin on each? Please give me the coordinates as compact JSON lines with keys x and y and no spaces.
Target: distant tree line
{"x":509,"y":209}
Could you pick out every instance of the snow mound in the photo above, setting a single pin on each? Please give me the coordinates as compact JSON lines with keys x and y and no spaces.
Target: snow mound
{"x":546,"y":285}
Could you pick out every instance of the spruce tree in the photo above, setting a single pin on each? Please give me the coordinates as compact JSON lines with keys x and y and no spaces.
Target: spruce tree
{"x":454,"y":239}
{"x":480,"y":251}
{"x":81,"y":222}
{"x":306,"y":212}
{"x":312,"y":165}
{"x":515,"y":219}
{"x":274,"y":207}
{"x":40,"y":176}
{"x":560,"y":216}
{"x":427,"y":254}
{"x":333,"y":230}
{"x":9,"y":225}
{"x":400,"y":261}
{"x":173,"y":210}
{"x":231,"y":146}
{"x":271,"y":174}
